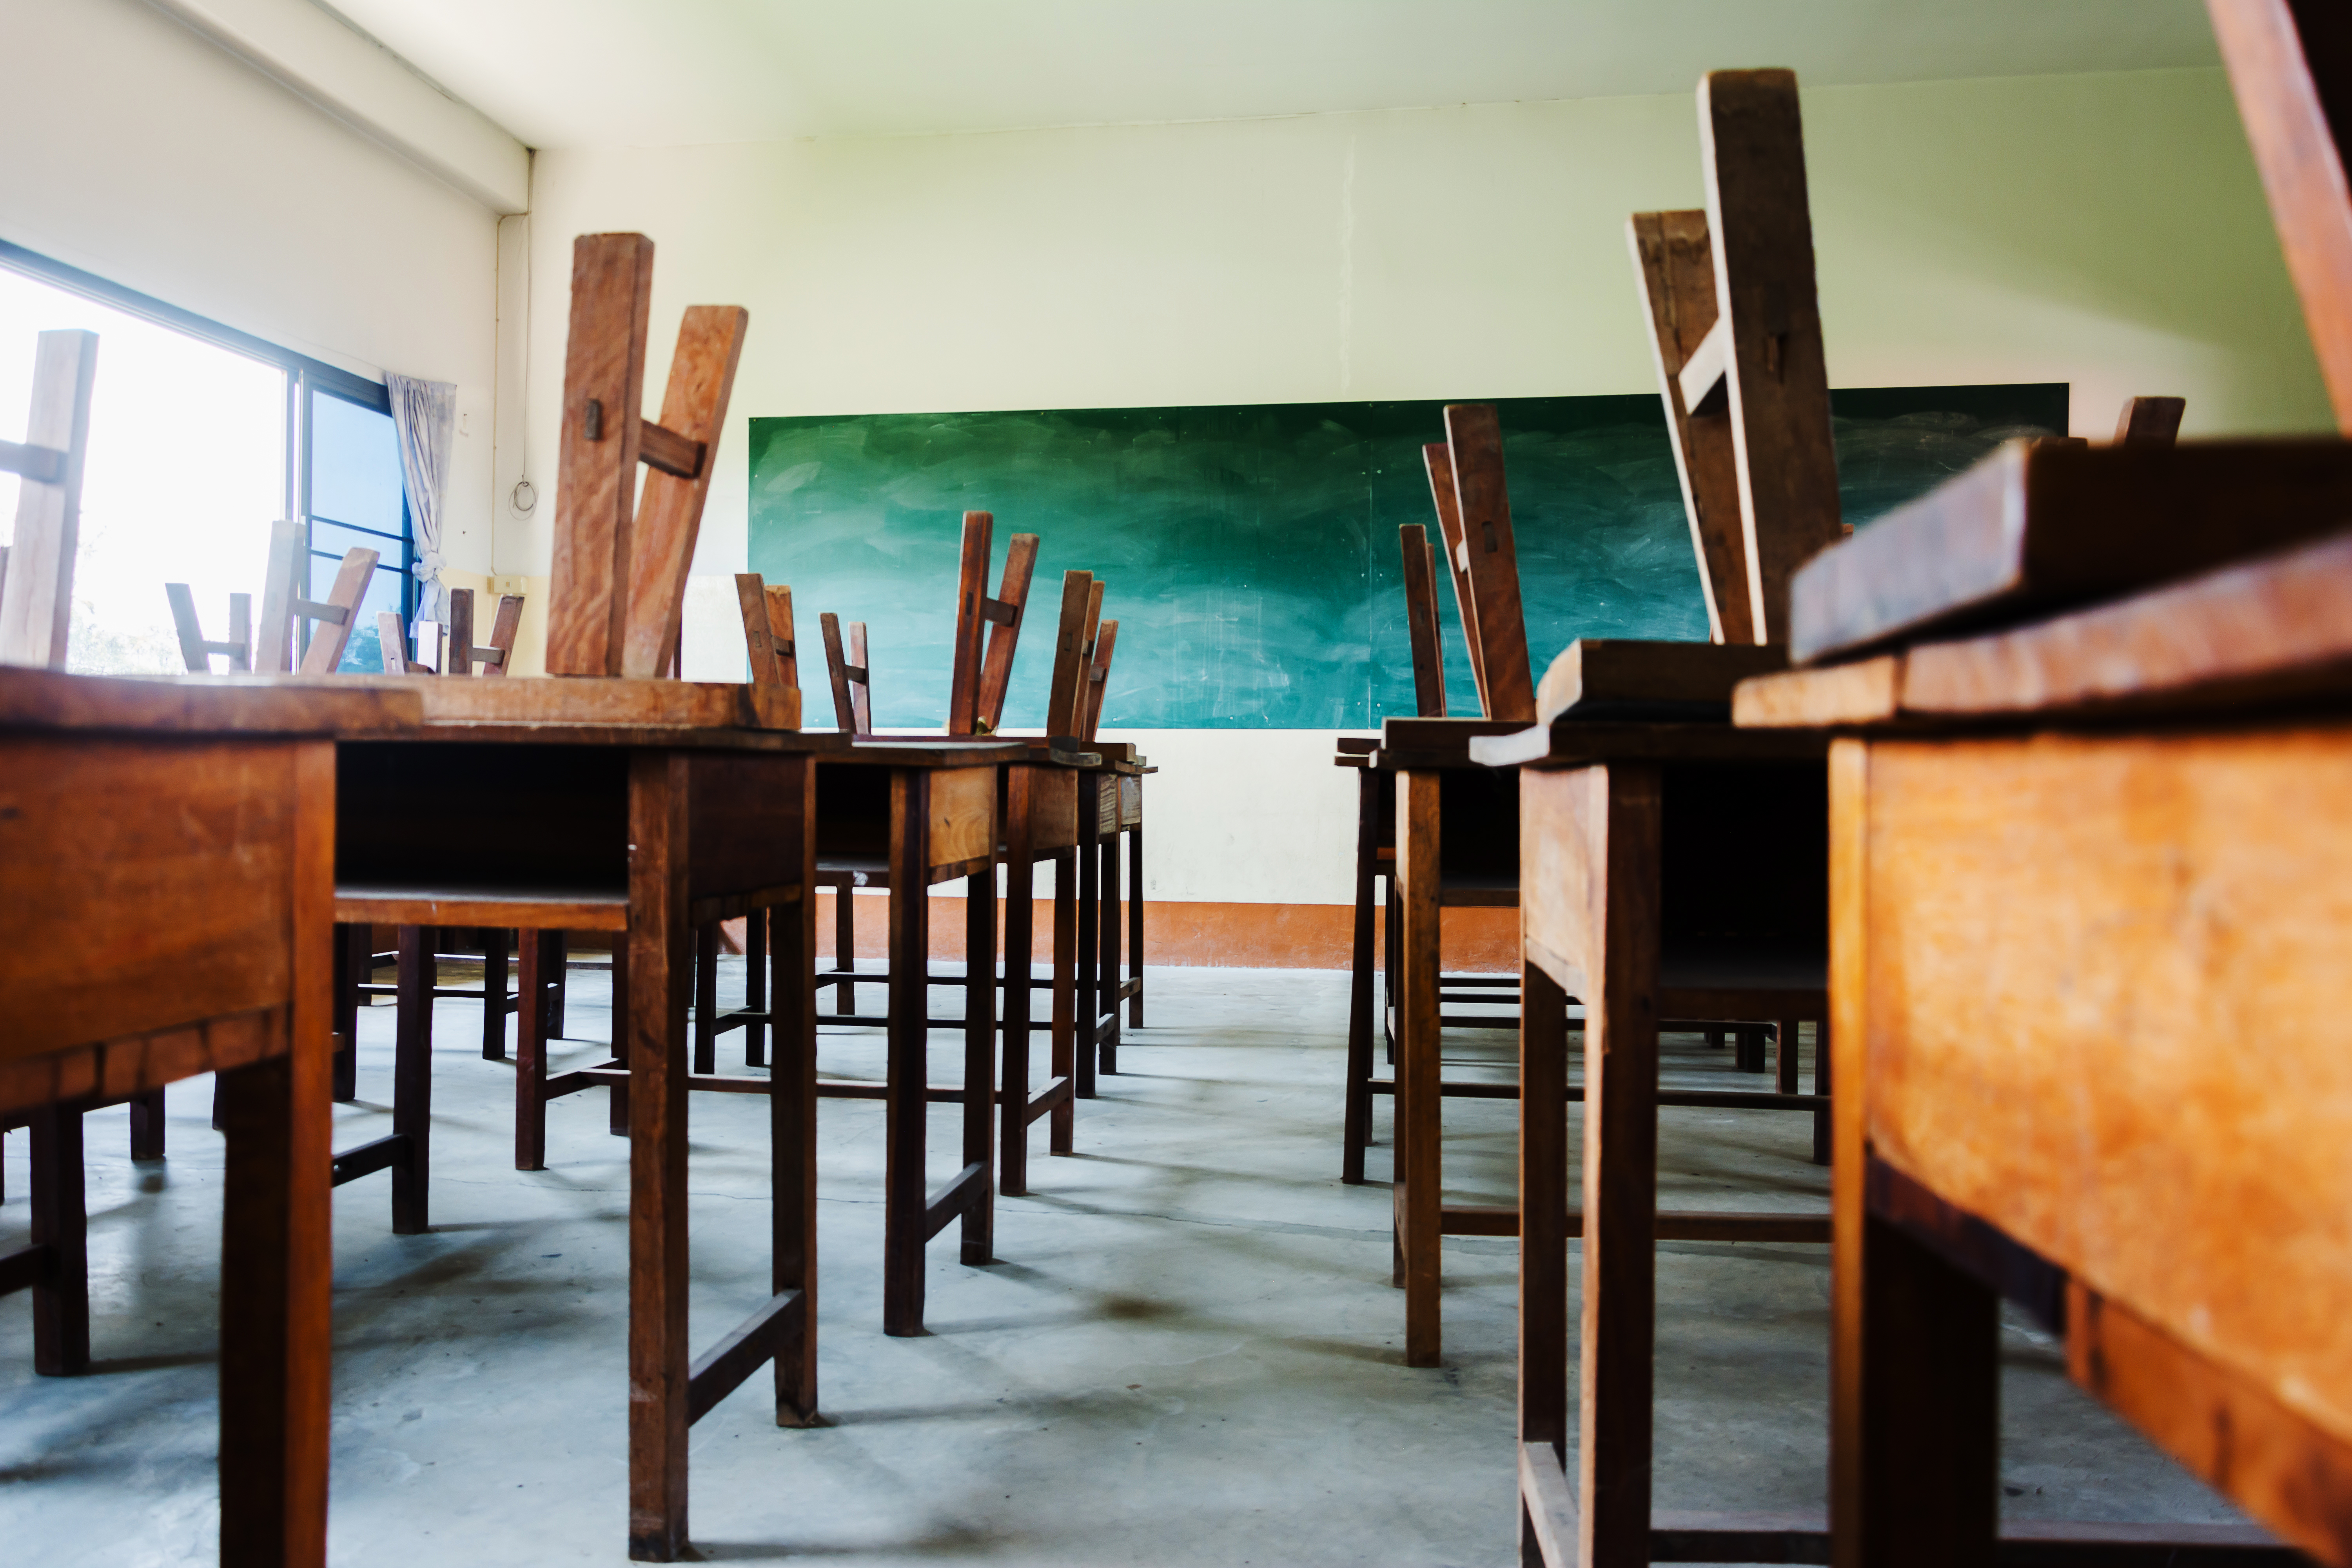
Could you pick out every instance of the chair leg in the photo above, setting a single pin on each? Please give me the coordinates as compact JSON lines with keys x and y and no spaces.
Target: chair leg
{"x":1751,"y":1048}
{"x":1110,"y":961}
{"x":495,"y":1006}
{"x":412,"y":1084}
{"x":619,"y":1113}
{"x":706,"y":1001}
{"x":755,"y":987}
{"x":147,"y":1125}
{"x":61,"y":1223}
{"x":1356,"y":1128}
{"x":1822,"y":1135}
{"x":536,"y":948}
{"x":1784,"y":1057}
{"x":1135,"y":923}
{"x":1012,"y":1094}
{"x":845,"y":948}
{"x":979,"y":1239}
{"x":1062,"y":1119}
{"x":354,"y":952}
{"x":558,"y":978}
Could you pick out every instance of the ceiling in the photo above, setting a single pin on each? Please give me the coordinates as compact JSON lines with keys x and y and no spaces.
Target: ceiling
{"x":602,"y":73}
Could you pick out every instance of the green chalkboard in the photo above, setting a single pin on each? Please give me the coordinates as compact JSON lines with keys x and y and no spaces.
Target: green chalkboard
{"x":1250,"y":551}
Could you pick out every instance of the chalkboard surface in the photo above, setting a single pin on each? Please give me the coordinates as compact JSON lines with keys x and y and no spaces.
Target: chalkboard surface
{"x":1250,"y":551}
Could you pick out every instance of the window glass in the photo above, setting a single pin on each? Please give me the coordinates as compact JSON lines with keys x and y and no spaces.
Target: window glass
{"x":354,"y":465}
{"x":185,"y":472}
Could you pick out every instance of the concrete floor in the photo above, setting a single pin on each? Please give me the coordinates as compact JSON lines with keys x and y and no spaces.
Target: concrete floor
{"x":1188,"y":1353}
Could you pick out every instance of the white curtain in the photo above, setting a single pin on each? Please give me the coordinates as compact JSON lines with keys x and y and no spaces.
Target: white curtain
{"x":425,"y":417}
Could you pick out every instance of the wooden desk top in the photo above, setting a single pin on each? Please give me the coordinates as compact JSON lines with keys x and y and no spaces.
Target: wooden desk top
{"x":41,"y":699}
{"x":1426,"y":743}
{"x":564,"y":710}
{"x":928,"y":751}
{"x":2268,"y":634}
{"x":2038,"y":527}
{"x":1573,"y":742}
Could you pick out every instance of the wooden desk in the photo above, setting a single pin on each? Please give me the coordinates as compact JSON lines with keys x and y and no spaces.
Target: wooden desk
{"x":2088,"y":920}
{"x":925,"y":811}
{"x":1110,"y":809}
{"x":166,"y":888}
{"x":645,"y":807}
{"x":1668,"y":872}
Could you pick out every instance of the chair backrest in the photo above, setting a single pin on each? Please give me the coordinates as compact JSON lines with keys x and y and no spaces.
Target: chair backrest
{"x":1676,"y":262}
{"x":1069,"y":698}
{"x":1766,"y":342}
{"x":1098,"y":676}
{"x":283,"y":603}
{"x":853,"y":697}
{"x":981,"y":673}
{"x":1488,"y":558}
{"x":2150,"y":421}
{"x":195,"y":651}
{"x":465,"y":654}
{"x":1438,"y":458}
{"x":2290,"y":62}
{"x":391,"y":637}
{"x":619,"y":581}
{"x":36,"y":588}
{"x":1421,"y":620}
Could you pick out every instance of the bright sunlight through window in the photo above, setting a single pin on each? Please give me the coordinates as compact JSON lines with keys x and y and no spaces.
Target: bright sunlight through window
{"x":186,"y":471}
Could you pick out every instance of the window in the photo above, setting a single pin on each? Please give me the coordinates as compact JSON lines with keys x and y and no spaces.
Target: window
{"x":201,"y":435}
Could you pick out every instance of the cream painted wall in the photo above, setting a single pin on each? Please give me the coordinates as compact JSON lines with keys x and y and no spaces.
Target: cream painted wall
{"x":2103,"y":230}
{"x":141,"y":152}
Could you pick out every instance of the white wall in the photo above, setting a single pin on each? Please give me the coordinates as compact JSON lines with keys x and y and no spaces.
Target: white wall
{"x":2104,"y":230}
{"x":142,"y":153}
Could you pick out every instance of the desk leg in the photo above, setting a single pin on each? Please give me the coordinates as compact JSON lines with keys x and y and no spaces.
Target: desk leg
{"x":1020,"y":903}
{"x":1135,"y":923}
{"x":1543,"y":1226}
{"x":412,"y":1084}
{"x":903,"y":1188}
{"x":1356,"y":1131}
{"x":277,"y":1234}
{"x":659,"y":946}
{"x":274,"y":1315}
{"x":1420,"y":1178}
{"x":791,"y":1118}
{"x":980,"y":1065}
{"x":61,"y":1223}
{"x":1062,"y":1119}
{"x":1090,"y":1002}
{"x":1110,"y":981}
{"x":1618,"y":812}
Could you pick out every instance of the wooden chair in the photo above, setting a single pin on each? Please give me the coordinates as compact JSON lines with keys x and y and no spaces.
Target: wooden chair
{"x":284,"y":604}
{"x":853,"y":704}
{"x":36,"y":585}
{"x":195,"y":650}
